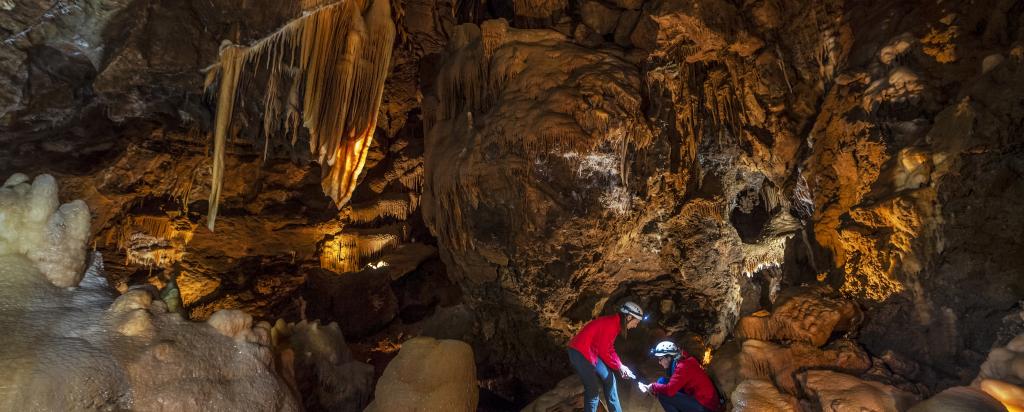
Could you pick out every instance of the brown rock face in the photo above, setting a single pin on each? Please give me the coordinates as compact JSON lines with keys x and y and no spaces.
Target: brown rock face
{"x":895,"y":153}
{"x":501,"y":194}
{"x":808,"y":316}
{"x":703,"y":158}
{"x":665,"y":185}
{"x":599,"y":17}
{"x":765,"y":360}
{"x":760,"y":395}
{"x":846,"y":393}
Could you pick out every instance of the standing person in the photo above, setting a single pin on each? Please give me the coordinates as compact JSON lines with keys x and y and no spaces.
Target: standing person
{"x":687,"y":387}
{"x":592,"y":355}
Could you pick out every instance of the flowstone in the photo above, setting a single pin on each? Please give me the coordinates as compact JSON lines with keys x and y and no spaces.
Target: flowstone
{"x":71,"y":346}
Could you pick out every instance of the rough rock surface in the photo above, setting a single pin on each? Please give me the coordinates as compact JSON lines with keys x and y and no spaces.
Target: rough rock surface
{"x":34,"y":224}
{"x":75,"y":347}
{"x":664,"y":173}
{"x":428,"y":374}
{"x":764,"y":360}
{"x":844,"y":393}
{"x":697,"y":156}
{"x":315,"y":360}
{"x":844,"y":144}
{"x":568,"y":395}
{"x":960,"y":399}
{"x":759,"y":395}
{"x":1002,"y":374}
{"x":807,"y":316}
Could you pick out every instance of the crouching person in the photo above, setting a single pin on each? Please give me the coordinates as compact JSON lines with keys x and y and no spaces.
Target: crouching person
{"x":686,"y":388}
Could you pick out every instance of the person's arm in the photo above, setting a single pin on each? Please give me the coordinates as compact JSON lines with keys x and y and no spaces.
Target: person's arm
{"x":675,"y":382}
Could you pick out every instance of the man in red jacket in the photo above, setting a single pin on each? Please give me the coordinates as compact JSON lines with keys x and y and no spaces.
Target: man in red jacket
{"x":688,"y":388}
{"x":592,"y":355}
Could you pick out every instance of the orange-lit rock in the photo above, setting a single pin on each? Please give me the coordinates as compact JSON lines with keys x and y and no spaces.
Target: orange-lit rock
{"x":764,"y":360}
{"x":809,"y":316}
{"x":847,"y":393}
{"x":761,"y":395}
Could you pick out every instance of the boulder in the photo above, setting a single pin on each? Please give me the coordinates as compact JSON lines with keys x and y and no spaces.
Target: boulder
{"x":778,"y":363}
{"x":960,"y":399}
{"x":760,"y":395}
{"x":428,"y":375}
{"x":809,"y":316}
{"x":317,"y":361}
{"x":1002,"y":374}
{"x":845,"y":393}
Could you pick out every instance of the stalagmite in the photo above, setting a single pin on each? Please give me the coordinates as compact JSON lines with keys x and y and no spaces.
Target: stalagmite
{"x":341,"y":55}
{"x":33,"y":223}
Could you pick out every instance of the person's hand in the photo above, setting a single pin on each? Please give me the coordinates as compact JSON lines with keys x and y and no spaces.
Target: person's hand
{"x":646,"y":389}
{"x":626,"y":373}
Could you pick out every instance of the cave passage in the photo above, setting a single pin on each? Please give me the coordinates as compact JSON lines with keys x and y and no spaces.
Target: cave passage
{"x":436,"y":205}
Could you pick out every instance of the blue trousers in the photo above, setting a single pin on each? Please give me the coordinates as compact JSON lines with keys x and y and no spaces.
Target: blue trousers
{"x":680,"y":402}
{"x":594,"y":377}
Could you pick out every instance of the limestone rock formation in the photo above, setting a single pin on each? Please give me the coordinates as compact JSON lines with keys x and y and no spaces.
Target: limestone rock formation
{"x":534,"y":163}
{"x":764,"y":360}
{"x":1002,"y":374}
{"x":315,"y":360}
{"x":428,"y":374}
{"x":74,"y":347}
{"x":760,"y":395}
{"x":35,"y":225}
{"x":806,"y":316}
{"x":960,"y":399}
{"x":841,"y":393}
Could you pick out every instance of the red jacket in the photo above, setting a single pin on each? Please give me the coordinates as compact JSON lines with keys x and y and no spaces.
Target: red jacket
{"x":597,"y":340}
{"x":690,"y":377}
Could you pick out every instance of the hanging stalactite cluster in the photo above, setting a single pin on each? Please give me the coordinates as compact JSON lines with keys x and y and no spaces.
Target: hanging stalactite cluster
{"x":397,"y":206}
{"x":152,"y":240}
{"x":325,"y":72}
{"x":346,"y":251}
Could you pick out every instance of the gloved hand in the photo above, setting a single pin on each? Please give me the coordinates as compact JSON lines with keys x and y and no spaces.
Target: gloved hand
{"x":626,"y":373}
{"x":646,"y":389}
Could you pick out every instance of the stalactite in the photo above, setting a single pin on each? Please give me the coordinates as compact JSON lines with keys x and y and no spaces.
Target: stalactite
{"x":703,"y":209}
{"x":346,"y":251}
{"x":413,"y":180}
{"x":772,"y":197}
{"x":333,"y":62}
{"x":767,"y":254}
{"x":152,"y":240}
{"x":231,"y":65}
{"x":398,"y":206}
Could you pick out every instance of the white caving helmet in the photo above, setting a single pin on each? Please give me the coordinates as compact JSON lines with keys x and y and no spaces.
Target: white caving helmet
{"x":632,"y":309}
{"x":665,"y":348}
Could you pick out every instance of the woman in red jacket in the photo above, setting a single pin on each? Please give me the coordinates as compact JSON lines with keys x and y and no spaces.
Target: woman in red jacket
{"x":688,"y":388}
{"x":592,"y":355}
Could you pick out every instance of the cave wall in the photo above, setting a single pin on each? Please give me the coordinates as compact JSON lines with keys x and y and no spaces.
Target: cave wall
{"x":693,"y":156}
{"x":842,"y":141}
{"x":925,"y":122}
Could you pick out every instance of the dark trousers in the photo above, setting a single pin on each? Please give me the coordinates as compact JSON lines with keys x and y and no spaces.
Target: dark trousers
{"x":680,"y":402}
{"x":595,"y":377}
